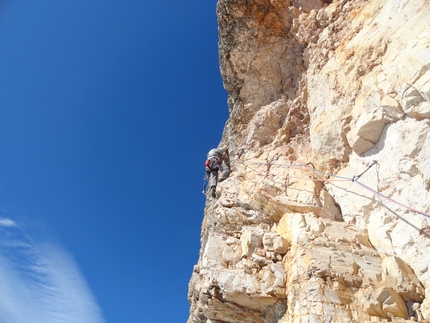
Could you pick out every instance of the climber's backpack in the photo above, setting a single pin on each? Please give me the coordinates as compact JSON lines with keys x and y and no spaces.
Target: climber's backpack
{"x":212,"y":163}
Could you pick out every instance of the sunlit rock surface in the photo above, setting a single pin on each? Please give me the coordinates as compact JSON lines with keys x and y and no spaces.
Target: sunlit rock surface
{"x":325,"y":217}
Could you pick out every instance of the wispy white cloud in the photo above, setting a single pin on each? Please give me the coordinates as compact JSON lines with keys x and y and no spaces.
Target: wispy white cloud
{"x":41,"y":282}
{"x":4,"y":222}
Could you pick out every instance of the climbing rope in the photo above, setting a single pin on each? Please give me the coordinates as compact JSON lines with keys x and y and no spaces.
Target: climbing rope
{"x":205,"y":186}
{"x":331,"y":178}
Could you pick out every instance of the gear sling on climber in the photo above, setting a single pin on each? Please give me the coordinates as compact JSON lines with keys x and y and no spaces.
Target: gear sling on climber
{"x":217,"y":160}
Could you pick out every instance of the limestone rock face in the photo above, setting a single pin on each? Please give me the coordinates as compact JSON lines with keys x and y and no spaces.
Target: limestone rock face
{"x":325,"y":216}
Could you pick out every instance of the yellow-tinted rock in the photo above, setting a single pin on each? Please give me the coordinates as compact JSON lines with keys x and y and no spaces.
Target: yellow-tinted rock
{"x":325,"y":216}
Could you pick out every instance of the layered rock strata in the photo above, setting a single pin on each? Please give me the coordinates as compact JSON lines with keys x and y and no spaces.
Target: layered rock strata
{"x":325,"y":217}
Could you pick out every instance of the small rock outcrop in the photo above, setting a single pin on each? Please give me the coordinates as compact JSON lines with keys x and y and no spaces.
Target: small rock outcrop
{"x":325,"y":216}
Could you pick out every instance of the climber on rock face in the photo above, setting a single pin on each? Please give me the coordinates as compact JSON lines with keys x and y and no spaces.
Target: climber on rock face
{"x":217,"y":160}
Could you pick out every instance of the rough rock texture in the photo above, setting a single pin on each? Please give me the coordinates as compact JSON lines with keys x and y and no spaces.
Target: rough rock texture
{"x":325,"y":217}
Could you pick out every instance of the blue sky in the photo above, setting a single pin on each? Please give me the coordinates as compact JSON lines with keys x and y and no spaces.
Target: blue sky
{"x":107,"y":111}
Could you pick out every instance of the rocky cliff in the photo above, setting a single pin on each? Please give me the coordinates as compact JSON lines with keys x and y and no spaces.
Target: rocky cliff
{"x":325,"y":217}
